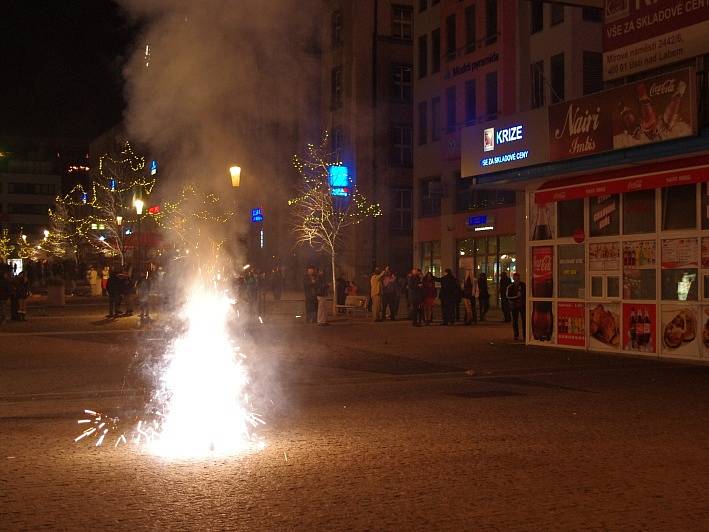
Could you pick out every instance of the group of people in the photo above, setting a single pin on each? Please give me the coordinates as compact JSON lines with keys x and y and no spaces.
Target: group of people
{"x":315,"y":289}
{"x":16,"y":290}
{"x":124,"y":287}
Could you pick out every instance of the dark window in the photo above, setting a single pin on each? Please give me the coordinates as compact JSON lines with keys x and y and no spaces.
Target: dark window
{"x":450,"y":109}
{"x":401,"y":83}
{"x":401,"y":145}
{"x":557,"y":78}
{"x":435,"y":118}
{"x":639,"y":212}
{"x":431,"y":197}
{"x":338,"y":140}
{"x":450,"y":37}
{"x":490,"y":21}
{"x":592,"y":14}
{"x":336,"y":87}
{"x":537,"y":76}
{"x":436,"y":50}
{"x":537,"y":16}
{"x":401,"y":21}
{"x":557,"y":14}
{"x":423,"y":123}
{"x":679,"y":207}
{"x":423,"y":56}
{"x":468,"y":198}
{"x":470,"y":102}
{"x":401,"y":212}
{"x":31,"y":188}
{"x":27,"y":208}
{"x":470,"y":28}
{"x":337,"y":29}
{"x":423,"y":4}
{"x":592,"y":72}
{"x":491,"y":95}
{"x":569,"y":216}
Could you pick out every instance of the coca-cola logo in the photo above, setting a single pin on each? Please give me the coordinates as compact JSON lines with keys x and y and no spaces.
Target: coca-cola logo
{"x":663,"y":87}
{"x":542,"y":263}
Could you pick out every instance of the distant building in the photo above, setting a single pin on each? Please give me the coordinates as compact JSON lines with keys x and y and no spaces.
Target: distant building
{"x":367,"y":90}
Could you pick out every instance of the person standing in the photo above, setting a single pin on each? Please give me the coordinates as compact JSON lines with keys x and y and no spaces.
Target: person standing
{"x":341,"y":292}
{"x":448,"y":296}
{"x":322,"y":291}
{"x":469,"y":291}
{"x":114,"y":289}
{"x":93,"y":280}
{"x":429,"y":297}
{"x":375,"y":284}
{"x":517,"y":296}
{"x":414,"y":287}
{"x":143,"y":291}
{"x":389,"y":295}
{"x":505,"y":281}
{"x":22,"y":291}
{"x":277,"y":283}
{"x":310,"y":291}
{"x":5,"y":289}
{"x":105,"y":274}
{"x":483,"y":296}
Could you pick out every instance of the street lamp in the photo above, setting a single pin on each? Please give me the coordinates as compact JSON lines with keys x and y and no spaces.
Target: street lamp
{"x":138,"y":204}
{"x":46,"y":234}
{"x":119,"y":220}
{"x":235,"y":172}
{"x":24,"y":238}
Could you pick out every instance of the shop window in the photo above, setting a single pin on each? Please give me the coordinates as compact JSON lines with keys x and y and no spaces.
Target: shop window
{"x":431,"y":257}
{"x":639,"y":269}
{"x":639,"y":212}
{"x":571,"y":274}
{"x":680,"y":261}
{"x":705,"y":206}
{"x":604,"y":215}
{"x":570,"y":217}
{"x":543,"y":216}
{"x":679,"y":207}
{"x":613,"y":286}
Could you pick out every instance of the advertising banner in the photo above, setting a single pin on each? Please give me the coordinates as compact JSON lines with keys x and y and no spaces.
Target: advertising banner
{"x":644,"y":112}
{"x":679,"y":253}
{"x":604,"y":326}
{"x":679,"y":330}
{"x":640,"y":35}
{"x":604,"y":256}
{"x":512,"y":142}
{"x":543,"y":321}
{"x":639,"y":326}
{"x":542,"y":271}
{"x":571,"y":329}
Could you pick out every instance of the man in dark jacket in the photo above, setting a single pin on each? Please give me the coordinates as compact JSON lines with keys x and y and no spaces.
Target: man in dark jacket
{"x":505,"y":281}
{"x":517,"y":296}
{"x":5,"y":289}
{"x":310,"y":291}
{"x":448,"y":296}
{"x":114,"y":288}
{"x":414,"y":290}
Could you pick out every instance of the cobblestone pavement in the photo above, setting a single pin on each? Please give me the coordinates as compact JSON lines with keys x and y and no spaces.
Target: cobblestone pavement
{"x":370,"y":426}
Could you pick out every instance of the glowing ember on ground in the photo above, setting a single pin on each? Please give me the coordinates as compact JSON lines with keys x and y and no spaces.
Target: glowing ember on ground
{"x":200,"y":405}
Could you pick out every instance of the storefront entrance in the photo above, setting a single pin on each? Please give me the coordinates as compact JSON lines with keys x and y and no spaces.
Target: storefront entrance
{"x":489,"y":255}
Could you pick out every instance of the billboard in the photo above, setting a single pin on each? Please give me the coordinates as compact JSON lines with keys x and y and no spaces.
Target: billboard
{"x":644,"y":112}
{"x":511,"y":142}
{"x":641,"y":35}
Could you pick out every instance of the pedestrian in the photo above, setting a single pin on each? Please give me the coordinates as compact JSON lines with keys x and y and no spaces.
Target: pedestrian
{"x":5,"y":289}
{"x":505,"y":281}
{"x":114,"y":289}
{"x":341,"y":292}
{"x":14,"y":299}
{"x":94,"y":282}
{"x":470,"y":288}
{"x":483,"y":296}
{"x":22,"y":292}
{"x":414,"y":287}
{"x":277,"y":283}
{"x":448,"y":296}
{"x":127,"y":291}
{"x":389,"y":295}
{"x":375,"y":282}
{"x":322,"y":293}
{"x":105,"y":274}
{"x":429,"y":297}
{"x":143,"y":291}
{"x":517,"y":296}
{"x":350,"y":289}
{"x":310,"y":292}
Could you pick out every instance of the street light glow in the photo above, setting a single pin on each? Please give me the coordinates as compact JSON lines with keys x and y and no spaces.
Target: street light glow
{"x":235,"y":172}
{"x":138,"y":204}
{"x":119,"y":219}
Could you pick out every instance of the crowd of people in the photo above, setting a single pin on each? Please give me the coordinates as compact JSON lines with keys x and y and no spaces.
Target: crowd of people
{"x":15,"y":289}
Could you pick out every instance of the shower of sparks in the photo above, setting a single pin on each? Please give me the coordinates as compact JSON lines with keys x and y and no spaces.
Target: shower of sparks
{"x":200,"y":407}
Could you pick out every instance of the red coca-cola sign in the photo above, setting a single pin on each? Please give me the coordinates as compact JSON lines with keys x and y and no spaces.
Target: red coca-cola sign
{"x":542,"y":271}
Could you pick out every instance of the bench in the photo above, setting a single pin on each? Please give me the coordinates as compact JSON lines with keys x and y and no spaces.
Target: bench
{"x":354,"y":304}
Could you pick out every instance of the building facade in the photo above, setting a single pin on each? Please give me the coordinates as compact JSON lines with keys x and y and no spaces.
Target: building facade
{"x":367,"y":94}
{"x":475,"y":63}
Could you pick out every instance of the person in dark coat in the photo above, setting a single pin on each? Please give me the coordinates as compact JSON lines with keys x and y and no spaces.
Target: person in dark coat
{"x":310,"y":291}
{"x":448,"y":296}
{"x":469,"y":291}
{"x":341,"y":291}
{"x":22,"y":292}
{"x":505,"y":281}
{"x":483,"y":296}
{"x":517,"y":296}
{"x":414,"y":290}
{"x":114,"y":289}
{"x":5,"y":289}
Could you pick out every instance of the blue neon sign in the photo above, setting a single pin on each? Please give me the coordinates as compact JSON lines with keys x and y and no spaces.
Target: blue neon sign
{"x":477,"y":220}
{"x":506,"y":158}
{"x":339,"y":181}
{"x":153,"y":167}
{"x":257,"y":215}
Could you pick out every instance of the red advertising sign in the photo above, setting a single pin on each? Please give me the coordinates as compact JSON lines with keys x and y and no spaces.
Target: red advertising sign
{"x":542,"y":271}
{"x":570,"y":323}
{"x":639,"y":328}
{"x":645,"y":112}
{"x":644,"y":34}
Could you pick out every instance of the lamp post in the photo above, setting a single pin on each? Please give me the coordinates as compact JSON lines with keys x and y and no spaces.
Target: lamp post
{"x":138,"y":204}
{"x":119,"y":239}
{"x":235,"y":173}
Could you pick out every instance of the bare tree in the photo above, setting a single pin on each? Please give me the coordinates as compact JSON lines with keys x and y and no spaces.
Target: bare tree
{"x":6,"y":246}
{"x":324,"y":210}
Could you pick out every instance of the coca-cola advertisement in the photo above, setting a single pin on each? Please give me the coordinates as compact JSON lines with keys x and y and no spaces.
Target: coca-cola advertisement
{"x":570,"y":324}
{"x":542,"y":321}
{"x":639,"y":328}
{"x":542,"y":221}
{"x":542,"y":271}
{"x":644,"y":112}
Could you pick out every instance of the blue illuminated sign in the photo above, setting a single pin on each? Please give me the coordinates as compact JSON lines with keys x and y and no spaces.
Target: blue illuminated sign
{"x":257,"y":215}
{"x":339,"y":181}
{"x":506,"y":158}
{"x":477,"y":220}
{"x":153,"y":167}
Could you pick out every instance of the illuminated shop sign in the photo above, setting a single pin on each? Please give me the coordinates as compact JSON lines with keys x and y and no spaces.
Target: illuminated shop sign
{"x":506,"y":158}
{"x":257,"y":215}
{"x":491,"y":137}
{"x":481,"y":222}
{"x":153,"y":167}
{"x":339,"y":181}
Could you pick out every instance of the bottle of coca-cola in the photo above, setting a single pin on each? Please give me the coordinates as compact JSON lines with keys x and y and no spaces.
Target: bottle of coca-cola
{"x":647,"y":330}
{"x":542,"y":274}
{"x":648,"y":119}
{"x":633,"y":330}
{"x":669,"y":116}
{"x":542,"y":229}
{"x":542,"y":320}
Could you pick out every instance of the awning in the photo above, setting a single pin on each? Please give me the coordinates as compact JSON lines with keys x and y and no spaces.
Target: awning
{"x":630,"y":179}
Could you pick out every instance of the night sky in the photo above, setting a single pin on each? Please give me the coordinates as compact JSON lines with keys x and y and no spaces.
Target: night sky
{"x":61,"y":64}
